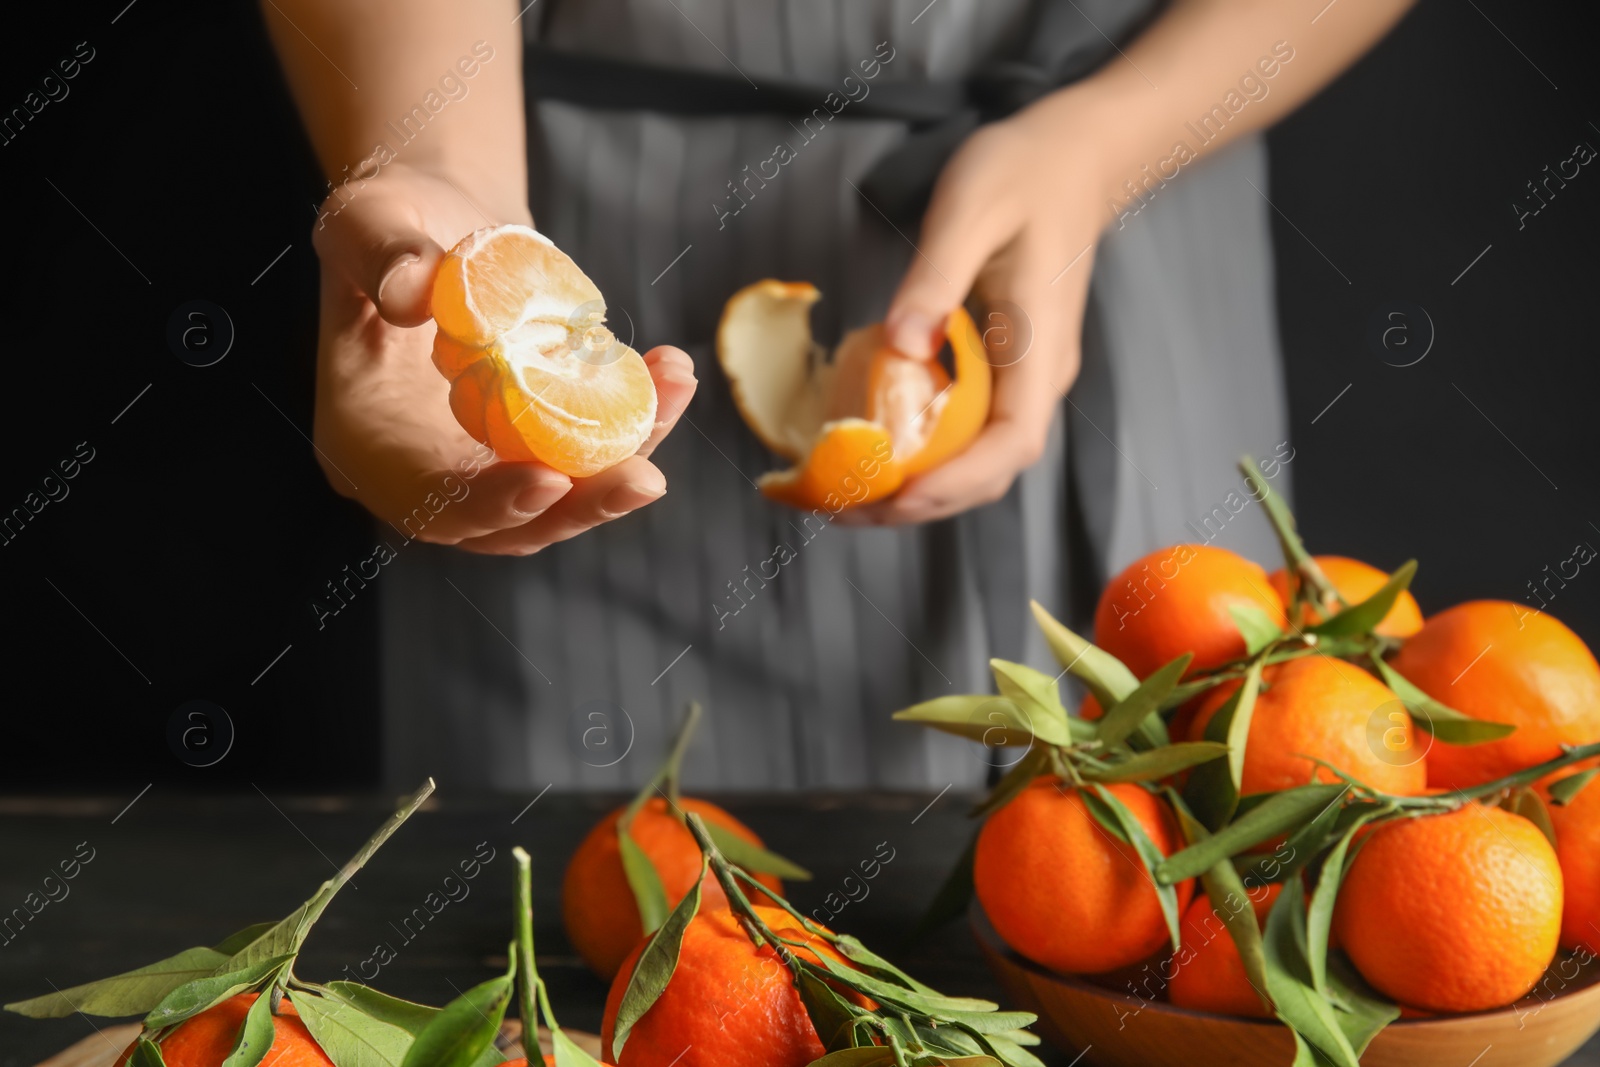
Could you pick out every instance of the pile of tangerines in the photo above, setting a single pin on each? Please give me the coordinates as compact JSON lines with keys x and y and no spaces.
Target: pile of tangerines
{"x":1399,"y":806}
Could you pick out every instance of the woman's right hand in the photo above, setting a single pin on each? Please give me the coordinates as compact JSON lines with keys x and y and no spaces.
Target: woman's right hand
{"x":383,"y":429}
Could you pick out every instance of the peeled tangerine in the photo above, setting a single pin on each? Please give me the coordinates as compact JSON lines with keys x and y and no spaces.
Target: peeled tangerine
{"x":858,"y":423}
{"x":534,"y":373}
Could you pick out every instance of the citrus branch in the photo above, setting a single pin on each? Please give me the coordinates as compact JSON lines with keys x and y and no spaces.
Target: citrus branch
{"x":1294,"y":550}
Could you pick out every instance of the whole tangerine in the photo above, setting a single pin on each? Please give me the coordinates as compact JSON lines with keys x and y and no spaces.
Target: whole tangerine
{"x":1500,"y":661}
{"x":1455,"y":912}
{"x":1356,"y":581}
{"x":207,"y":1039}
{"x":1062,"y":891}
{"x":1176,"y":600}
{"x":597,"y":904}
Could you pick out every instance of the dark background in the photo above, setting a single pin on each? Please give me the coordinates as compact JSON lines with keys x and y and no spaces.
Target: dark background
{"x":185,"y":557}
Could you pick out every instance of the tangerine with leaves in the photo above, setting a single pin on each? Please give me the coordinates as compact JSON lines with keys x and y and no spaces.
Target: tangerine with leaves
{"x":207,"y":1039}
{"x":1317,"y":706}
{"x":1355,"y":581}
{"x":598,"y":907}
{"x":534,"y":372}
{"x":1500,"y":661}
{"x":1177,"y":600}
{"x":1209,"y":974}
{"x":728,"y":1002}
{"x":1061,"y":890}
{"x":1452,"y":912}
{"x":1577,"y":825}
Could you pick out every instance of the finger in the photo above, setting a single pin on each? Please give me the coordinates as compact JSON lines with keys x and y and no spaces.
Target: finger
{"x":500,"y":497}
{"x":1027,"y":394}
{"x":611,"y":494}
{"x":963,"y":226}
{"x":673,"y":372}
{"x":378,"y":241}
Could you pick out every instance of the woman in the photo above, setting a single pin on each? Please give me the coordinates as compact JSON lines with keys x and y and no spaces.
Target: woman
{"x":1110,"y":140}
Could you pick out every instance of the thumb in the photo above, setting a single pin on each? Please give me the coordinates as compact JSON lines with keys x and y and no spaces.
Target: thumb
{"x":958,"y":238}
{"x":378,"y":242}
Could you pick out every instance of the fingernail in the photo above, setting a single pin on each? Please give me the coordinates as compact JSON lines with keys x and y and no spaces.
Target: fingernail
{"x":398,"y":264}
{"x":544,"y":491}
{"x":915,"y":334}
{"x":630,"y":497}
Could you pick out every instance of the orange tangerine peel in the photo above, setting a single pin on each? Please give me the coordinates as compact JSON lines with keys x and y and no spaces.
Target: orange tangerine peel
{"x":534,"y":372}
{"x":856,"y":422}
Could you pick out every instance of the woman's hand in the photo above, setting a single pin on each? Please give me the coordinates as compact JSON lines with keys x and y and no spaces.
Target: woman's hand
{"x":384,"y":433}
{"x":1013,"y":220}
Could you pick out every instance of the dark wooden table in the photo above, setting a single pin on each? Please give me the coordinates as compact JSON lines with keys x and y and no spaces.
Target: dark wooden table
{"x":178,"y":870}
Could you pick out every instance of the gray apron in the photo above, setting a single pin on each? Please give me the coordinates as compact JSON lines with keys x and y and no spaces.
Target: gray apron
{"x":570,"y":668}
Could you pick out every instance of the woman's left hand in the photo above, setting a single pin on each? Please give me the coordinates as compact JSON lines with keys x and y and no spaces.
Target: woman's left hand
{"x":1013,"y":220}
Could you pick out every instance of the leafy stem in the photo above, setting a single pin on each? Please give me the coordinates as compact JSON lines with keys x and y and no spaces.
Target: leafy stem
{"x":1300,"y":562}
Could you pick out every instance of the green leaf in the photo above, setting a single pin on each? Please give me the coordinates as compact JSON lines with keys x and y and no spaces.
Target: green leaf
{"x":146,"y":1054}
{"x":867,"y":960}
{"x":831,"y":1017}
{"x":1126,"y":716}
{"x":1302,"y":846}
{"x":991,"y":1022}
{"x":194,"y":997}
{"x":1029,"y":689}
{"x":130,"y":993}
{"x":567,"y":1052}
{"x":1033,"y":763}
{"x":465,"y":1027}
{"x":408,"y":1016}
{"x":753,"y":857}
{"x":1296,"y":1002}
{"x":1319,"y":918}
{"x":656,"y":963}
{"x":889,"y":993}
{"x":1213,"y":789}
{"x":1157,"y":763}
{"x":1149,"y":854}
{"x":990,"y":720}
{"x":1360,"y":1012}
{"x":1103,"y":674}
{"x":350,"y":1036}
{"x":1255,"y":626}
{"x":1230,"y":899}
{"x":1442,"y":721}
{"x":285,"y":937}
{"x":1530,"y":805}
{"x":240,"y":938}
{"x":1363,"y":617}
{"x":255,"y":1036}
{"x":1280,"y":813}
{"x":1566,"y":790}
{"x":1239,"y":723}
{"x":643,"y":879}
{"x":954,"y":895}
{"x":1011,"y":1053}
{"x":871,"y":1056}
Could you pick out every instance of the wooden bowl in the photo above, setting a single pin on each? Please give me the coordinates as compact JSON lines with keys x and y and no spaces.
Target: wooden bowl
{"x":1111,"y":1028}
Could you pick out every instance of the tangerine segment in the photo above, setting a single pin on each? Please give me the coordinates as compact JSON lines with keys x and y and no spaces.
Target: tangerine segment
{"x":500,"y":277}
{"x":852,"y":463}
{"x":964,"y":407}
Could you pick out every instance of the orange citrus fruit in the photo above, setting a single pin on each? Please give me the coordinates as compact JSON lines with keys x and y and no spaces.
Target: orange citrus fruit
{"x":206,"y":1039}
{"x":1176,"y":600}
{"x":1061,"y":890}
{"x":727,"y":1001}
{"x":855,"y":425}
{"x":1578,"y":848}
{"x":1454,"y":912}
{"x":1496,"y":660}
{"x":597,"y":905}
{"x":1356,"y":581}
{"x":1325,"y":708}
{"x":1209,"y":975}
{"x":534,"y":373}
